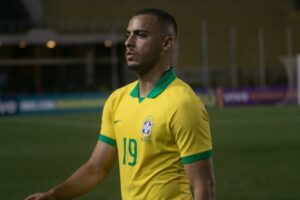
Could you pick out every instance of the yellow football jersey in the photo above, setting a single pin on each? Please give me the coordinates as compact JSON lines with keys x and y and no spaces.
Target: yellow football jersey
{"x":155,"y":136}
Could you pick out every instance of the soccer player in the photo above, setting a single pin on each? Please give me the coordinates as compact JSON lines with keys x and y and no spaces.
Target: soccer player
{"x":156,"y":127}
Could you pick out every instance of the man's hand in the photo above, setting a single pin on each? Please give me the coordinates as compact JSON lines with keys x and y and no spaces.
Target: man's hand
{"x":84,"y":178}
{"x":202,"y":179}
{"x":41,"y":196}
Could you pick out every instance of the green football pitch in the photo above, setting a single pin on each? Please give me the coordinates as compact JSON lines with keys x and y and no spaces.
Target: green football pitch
{"x":256,"y":153}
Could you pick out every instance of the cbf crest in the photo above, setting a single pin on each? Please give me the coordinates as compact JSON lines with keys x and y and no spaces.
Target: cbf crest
{"x":147,"y":127}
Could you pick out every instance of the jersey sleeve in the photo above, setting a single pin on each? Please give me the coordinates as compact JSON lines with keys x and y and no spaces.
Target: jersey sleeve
{"x":190,"y":126}
{"x":107,"y":134}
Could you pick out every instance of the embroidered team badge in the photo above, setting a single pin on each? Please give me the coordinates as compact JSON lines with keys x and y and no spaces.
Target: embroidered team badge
{"x":147,"y":126}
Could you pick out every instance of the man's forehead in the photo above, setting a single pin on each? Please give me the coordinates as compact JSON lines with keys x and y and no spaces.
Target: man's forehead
{"x":144,"y":21}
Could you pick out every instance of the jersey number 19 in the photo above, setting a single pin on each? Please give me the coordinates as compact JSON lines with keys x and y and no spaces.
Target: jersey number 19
{"x":130,"y":148}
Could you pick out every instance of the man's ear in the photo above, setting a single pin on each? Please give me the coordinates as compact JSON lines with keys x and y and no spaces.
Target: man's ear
{"x":168,"y":43}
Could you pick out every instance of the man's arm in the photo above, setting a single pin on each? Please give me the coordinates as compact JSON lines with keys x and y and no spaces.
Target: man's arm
{"x":84,"y":178}
{"x":202,"y":180}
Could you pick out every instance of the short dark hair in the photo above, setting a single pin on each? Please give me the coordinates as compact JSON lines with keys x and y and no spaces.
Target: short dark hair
{"x":162,"y":16}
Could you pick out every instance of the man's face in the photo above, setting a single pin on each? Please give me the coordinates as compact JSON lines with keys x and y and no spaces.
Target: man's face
{"x":143,"y":44}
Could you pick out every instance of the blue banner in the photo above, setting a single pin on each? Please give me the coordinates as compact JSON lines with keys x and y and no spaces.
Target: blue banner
{"x":37,"y":104}
{"x":9,"y":106}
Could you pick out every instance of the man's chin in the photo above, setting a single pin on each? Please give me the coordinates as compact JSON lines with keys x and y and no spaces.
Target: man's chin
{"x":132,"y":67}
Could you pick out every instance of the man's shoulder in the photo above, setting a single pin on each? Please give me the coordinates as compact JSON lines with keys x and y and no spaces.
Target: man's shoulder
{"x":181,"y":90}
{"x":183,"y":100}
{"x":124,"y":90}
{"x":181,"y":94}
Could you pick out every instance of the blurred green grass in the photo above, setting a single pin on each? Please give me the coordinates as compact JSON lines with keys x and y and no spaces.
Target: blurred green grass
{"x":256,"y":153}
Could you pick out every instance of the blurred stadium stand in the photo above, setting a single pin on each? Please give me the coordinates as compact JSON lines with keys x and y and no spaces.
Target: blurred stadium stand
{"x":35,"y":59}
{"x":232,"y":44}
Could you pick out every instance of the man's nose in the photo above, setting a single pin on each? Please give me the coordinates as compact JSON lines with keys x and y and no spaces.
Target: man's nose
{"x":129,"y":41}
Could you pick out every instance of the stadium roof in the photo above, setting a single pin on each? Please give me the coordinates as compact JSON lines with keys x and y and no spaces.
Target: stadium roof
{"x":40,"y":36}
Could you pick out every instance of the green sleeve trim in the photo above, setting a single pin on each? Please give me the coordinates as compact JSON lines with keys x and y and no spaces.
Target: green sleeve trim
{"x":107,"y":140}
{"x":196,"y":157}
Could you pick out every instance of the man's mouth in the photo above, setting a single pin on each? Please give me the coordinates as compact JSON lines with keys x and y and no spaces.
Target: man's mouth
{"x":130,"y":55}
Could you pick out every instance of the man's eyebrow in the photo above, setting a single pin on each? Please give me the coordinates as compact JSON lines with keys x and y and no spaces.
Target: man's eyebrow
{"x":137,"y":31}
{"x":140,"y":30}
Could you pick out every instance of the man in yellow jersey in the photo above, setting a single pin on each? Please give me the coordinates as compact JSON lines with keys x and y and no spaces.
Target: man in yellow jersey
{"x":157,"y":126}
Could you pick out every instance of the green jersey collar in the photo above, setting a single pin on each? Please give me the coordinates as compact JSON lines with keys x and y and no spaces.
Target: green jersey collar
{"x":165,"y":80}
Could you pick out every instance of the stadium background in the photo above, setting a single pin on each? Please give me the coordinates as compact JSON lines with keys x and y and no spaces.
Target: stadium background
{"x":59,"y":60}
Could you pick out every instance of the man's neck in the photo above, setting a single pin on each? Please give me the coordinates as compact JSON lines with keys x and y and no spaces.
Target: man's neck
{"x":148,"y":80}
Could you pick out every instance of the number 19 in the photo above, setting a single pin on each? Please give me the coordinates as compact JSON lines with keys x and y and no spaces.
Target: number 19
{"x":132,"y":149}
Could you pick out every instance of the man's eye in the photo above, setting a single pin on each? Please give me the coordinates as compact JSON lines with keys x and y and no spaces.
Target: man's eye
{"x":141,"y":34}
